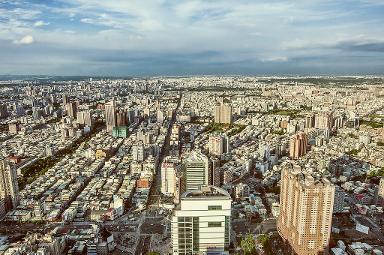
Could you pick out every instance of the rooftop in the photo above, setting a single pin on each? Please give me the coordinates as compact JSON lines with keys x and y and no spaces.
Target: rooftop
{"x":196,"y":156}
{"x":206,"y":192}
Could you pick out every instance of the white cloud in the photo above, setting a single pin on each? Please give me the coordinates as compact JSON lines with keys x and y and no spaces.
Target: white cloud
{"x":275,"y":59}
{"x":274,"y":32}
{"x":40,"y":23}
{"x":104,"y":20}
{"x":88,"y":21}
{"x":28,"y":39}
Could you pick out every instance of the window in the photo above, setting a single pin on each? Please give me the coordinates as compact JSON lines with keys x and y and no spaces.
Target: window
{"x":195,"y":237}
{"x":227,"y":231}
{"x":184,"y":219}
{"x":214,"y":207}
{"x":214,"y":224}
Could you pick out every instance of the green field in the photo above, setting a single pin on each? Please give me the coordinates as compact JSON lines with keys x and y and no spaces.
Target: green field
{"x":284,"y":112}
{"x":372,"y":124}
{"x":221,"y":128}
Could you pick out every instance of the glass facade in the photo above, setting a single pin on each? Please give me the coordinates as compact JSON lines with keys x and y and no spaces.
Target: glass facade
{"x":214,"y":224}
{"x":214,"y":207}
{"x":188,"y":237}
{"x":227,"y":231}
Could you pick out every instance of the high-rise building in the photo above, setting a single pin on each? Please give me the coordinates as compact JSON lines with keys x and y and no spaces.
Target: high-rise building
{"x":160,"y":116}
{"x":196,"y":167}
{"x":13,"y":128}
{"x":381,"y":188}
{"x":9,"y":189}
{"x":324,"y":120}
{"x":380,"y":192}
{"x":338,"y":122}
{"x":168,"y":178}
{"x":3,"y":111}
{"x":201,"y":224}
{"x":80,"y":117}
{"x":175,"y":132}
{"x":338,"y":206}
{"x":264,"y":151}
{"x":65,"y":100}
{"x":227,"y":176}
{"x":71,"y":108}
{"x":2,"y":208}
{"x":85,"y":118}
{"x":298,"y":145}
{"x":120,"y":132}
{"x":147,"y":138}
{"x":48,"y":110}
{"x":356,"y":122}
{"x":88,"y":120}
{"x":217,"y":113}
{"x":49,"y":150}
{"x":36,"y":113}
{"x":310,"y":121}
{"x":242,"y":190}
{"x":218,"y":144}
{"x":20,"y":111}
{"x":121,"y":118}
{"x":52,"y":99}
{"x":223,"y":113}
{"x":306,"y":207}
{"x":110,"y":115}
{"x":147,"y":111}
{"x":138,"y":152}
{"x":214,"y":172}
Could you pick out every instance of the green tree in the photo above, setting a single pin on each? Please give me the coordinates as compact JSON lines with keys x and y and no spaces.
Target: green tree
{"x":263,"y":239}
{"x":153,"y":253}
{"x":248,"y":245}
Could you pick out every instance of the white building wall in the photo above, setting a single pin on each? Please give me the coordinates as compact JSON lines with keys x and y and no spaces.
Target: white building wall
{"x":210,"y":237}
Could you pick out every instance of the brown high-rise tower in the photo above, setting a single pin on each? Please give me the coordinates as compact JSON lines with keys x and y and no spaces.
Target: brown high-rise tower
{"x":298,"y":145}
{"x":306,"y":207}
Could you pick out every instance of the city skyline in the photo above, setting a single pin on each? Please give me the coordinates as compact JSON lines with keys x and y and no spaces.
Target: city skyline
{"x":189,"y":165}
{"x":192,"y":127}
{"x":84,"y":37}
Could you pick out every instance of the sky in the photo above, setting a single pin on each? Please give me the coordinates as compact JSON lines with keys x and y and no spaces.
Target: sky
{"x":191,"y":37}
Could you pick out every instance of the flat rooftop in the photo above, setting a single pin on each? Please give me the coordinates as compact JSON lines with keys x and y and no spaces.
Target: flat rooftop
{"x":206,"y":192}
